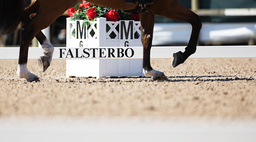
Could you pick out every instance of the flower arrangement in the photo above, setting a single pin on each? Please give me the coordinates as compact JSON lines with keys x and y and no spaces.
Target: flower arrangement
{"x":89,"y":12}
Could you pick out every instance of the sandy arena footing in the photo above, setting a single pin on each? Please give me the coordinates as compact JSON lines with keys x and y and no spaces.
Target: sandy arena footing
{"x":198,"y":88}
{"x":202,"y":100}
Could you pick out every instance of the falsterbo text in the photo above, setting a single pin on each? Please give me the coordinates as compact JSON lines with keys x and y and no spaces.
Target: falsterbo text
{"x":96,"y":53}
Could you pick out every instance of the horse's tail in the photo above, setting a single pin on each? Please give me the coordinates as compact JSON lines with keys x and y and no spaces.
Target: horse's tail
{"x":10,"y":15}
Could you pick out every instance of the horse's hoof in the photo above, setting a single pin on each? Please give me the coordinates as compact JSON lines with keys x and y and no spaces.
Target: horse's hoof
{"x":43,"y":63}
{"x":30,"y":77}
{"x":157,"y":75}
{"x":160,"y":77}
{"x":23,"y":72}
{"x":33,"y":78}
{"x":177,"y":59}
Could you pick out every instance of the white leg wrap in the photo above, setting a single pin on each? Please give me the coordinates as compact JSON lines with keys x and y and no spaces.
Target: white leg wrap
{"x":152,"y":73}
{"x":23,"y":72}
{"x":45,"y":60}
{"x":155,"y":74}
{"x":48,"y":49}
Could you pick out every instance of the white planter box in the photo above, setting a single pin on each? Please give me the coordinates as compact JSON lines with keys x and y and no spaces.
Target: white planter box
{"x":107,"y":48}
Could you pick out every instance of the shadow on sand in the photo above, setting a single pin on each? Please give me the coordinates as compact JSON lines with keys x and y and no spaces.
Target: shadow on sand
{"x":208,"y":78}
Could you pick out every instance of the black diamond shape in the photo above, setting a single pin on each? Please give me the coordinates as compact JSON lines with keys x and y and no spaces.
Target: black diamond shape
{"x":92,"y":33}
{"x":113,"y":35}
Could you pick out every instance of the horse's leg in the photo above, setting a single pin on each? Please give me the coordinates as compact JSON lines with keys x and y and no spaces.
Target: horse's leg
{"x":147,"y":25}
{"x":28,"y":32}
{"x":27,"y":35}
{"x":43,"y":61}
{"x":174,"y":10}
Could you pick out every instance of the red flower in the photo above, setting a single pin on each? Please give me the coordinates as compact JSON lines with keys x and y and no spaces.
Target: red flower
{"x":112,"y":15}
{"x":81,"y":5}
{"x":86,"y":4}
{"x":91,"y":13}
{"x":135,"y":17}
{"x":71,"y":11}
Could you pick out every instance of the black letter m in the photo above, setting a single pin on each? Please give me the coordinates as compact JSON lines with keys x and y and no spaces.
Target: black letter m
{"x":126,"y":31}
{"x":80,"y":31}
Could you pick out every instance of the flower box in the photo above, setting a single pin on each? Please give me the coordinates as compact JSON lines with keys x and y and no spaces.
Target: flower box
{"x":107,"y":48}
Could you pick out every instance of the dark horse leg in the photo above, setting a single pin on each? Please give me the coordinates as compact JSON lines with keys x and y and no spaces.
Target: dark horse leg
{"x":43,"y":61}
{"x":174,"y":10}
{"x":29,"y":30}
{"x":147,"y":25}
{"x":27,"y":34}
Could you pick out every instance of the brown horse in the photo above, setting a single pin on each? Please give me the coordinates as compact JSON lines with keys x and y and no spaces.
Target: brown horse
{"x":41,"y":13}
